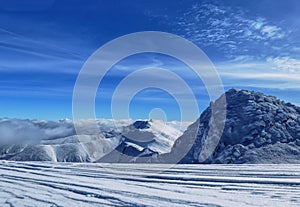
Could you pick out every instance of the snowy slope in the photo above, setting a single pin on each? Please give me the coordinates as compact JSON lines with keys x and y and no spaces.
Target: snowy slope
{"x":70,"y":184}
{"x":81,"y":148}
{"x":152,"y":134}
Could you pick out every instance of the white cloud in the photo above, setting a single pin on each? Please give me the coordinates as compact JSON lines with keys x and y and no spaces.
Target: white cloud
{"x":262,"y":76}
{"x":287,"y":64}
{"x":232,"y":30}
{"x":18,"y":131}
{"x":272,"y":32}
{"x":276,"y":73}
{"x":46,"y":56}
{"x":23,"y":131}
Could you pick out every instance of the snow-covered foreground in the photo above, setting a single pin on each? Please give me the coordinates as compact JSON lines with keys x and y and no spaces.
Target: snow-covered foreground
{"x":87,"y":184}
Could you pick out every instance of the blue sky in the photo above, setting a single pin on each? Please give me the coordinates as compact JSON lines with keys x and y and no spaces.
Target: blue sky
{"x":43,"y":44}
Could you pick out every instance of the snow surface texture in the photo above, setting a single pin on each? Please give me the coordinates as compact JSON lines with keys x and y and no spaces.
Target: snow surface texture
{"x":87,"y":184}
{"x":258,"y":129}
{"x":33,"y":140}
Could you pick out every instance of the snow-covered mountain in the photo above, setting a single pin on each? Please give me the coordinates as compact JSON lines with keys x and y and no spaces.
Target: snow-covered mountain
{"x":143,"y":138}
{"x":33,"y":140}
{"x":258,"y":129}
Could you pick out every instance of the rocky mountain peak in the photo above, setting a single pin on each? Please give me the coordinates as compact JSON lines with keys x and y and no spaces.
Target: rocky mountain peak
{"x":142,"y":124}
{"x":254,"y":121}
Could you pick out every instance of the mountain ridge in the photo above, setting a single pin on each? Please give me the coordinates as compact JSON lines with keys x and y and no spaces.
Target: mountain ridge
{"x":258,"y":129}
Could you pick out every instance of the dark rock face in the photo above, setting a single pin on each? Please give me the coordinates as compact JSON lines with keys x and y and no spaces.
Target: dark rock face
{"x":254,"y":122}
{"x":127,"y":152}
{"x":142,"y":125}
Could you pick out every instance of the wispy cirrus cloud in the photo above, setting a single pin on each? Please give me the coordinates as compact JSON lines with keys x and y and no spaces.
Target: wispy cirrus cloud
{"x":272,"y":32}
{"x":276,"y":73}
{"x":36,"y":55}
{"x":287,"y":64}
{"x":14,"y":41}
{"x":252,"y":50}
{"x":231,"y":31}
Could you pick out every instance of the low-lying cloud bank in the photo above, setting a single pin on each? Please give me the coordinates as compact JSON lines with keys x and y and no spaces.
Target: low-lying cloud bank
{"x":17,"y":131}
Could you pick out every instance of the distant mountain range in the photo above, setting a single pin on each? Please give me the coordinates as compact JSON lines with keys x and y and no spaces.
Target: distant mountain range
{"x":257,"y":129}
{"x":33,"y":140}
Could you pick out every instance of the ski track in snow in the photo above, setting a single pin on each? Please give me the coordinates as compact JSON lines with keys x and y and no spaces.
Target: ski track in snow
{"x":88,"y":184}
